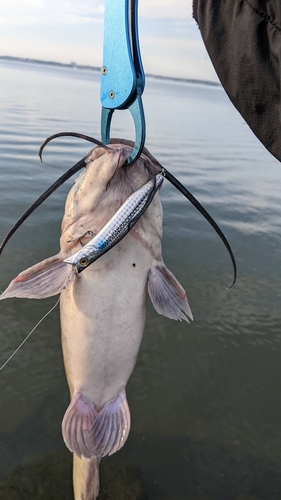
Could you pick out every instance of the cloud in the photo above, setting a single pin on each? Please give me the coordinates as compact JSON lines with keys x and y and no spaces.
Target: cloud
{"x":165,"y":9}
{"x":71,"y":30}
{"x":15,"y":4}
{"x":44,"y":12}
{"x":170,"y":43}
{"x":73,"y":11}
{"x":177,"y":57}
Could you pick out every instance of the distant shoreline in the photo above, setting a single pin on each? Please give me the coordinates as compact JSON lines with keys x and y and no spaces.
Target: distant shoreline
{"x":95,"y":68}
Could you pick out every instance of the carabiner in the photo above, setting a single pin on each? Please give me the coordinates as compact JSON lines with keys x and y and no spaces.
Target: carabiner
{"x":122,"y":74}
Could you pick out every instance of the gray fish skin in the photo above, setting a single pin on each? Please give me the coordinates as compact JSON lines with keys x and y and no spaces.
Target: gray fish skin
{"x":103,"y":309}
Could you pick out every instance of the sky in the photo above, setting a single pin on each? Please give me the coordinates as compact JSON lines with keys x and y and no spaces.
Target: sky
{"x":72,"y":31}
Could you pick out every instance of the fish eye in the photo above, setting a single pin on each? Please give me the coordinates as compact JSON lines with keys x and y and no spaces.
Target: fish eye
{"x":83,"y":262}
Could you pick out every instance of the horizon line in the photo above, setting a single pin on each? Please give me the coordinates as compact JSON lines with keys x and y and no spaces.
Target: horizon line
{"x":74,"y":65}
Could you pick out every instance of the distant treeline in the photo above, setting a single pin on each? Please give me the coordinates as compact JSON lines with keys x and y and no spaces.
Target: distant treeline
{"x":95,"y":68}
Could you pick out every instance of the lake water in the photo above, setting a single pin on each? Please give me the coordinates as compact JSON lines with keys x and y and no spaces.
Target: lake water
{"x":205,"y":398}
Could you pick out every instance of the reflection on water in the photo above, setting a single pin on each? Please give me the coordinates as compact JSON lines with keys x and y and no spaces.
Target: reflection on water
{"x":205,"y":398}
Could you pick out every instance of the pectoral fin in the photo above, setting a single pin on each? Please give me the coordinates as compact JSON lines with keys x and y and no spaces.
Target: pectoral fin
{"x":45,"y":279}
{"x":167,"y":295}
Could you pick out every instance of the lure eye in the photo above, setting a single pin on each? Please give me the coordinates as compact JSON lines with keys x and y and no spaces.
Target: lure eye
{"x":84,"y":262}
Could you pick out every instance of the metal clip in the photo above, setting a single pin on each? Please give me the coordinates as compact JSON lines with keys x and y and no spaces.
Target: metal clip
{"x":122,"y":74}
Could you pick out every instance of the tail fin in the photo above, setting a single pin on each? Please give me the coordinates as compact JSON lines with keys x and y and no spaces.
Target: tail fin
{"x":88,"y":432}
{"x":85,"y":478}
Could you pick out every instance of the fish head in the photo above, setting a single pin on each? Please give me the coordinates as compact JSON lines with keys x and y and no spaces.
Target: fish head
{"x":100,"y":190}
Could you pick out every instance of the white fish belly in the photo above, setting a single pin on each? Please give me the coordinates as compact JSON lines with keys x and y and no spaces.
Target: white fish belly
{"x":102,"y":322}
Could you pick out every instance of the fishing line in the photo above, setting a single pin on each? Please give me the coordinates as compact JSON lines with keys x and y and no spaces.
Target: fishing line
{"x":27,"y":337}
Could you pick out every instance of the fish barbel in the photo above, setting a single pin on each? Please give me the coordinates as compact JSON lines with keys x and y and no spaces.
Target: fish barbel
{"x":103,"y":308}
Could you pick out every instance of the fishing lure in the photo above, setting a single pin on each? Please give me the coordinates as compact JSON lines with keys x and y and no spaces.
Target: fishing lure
{"x":118,"y":226}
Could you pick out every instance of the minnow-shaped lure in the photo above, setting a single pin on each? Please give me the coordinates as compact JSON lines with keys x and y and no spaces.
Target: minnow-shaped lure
{"x":118,"y":226}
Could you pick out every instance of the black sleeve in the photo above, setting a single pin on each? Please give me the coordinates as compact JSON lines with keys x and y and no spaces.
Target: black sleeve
{"x":243,"y":39}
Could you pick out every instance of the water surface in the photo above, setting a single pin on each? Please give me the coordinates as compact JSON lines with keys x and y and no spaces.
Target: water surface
{"x":205,"y":398}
